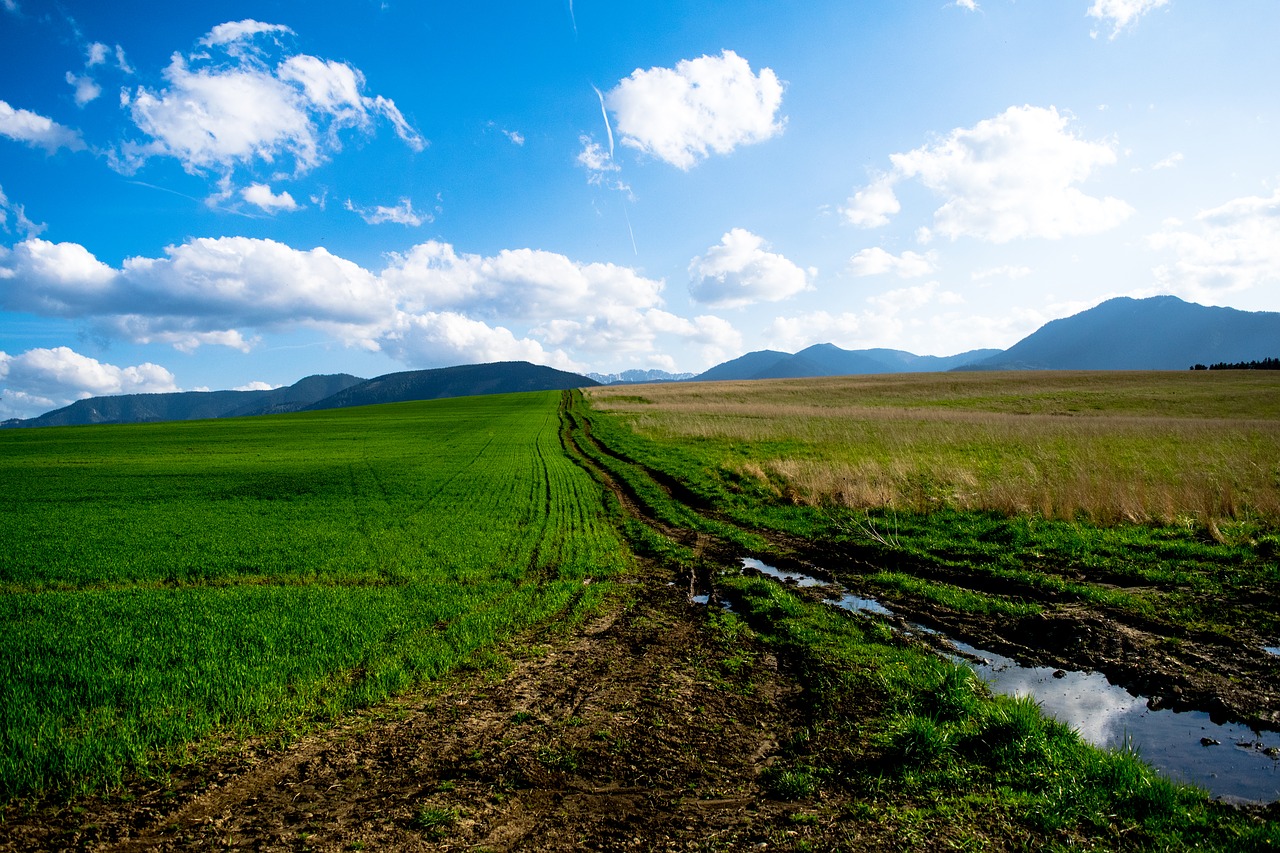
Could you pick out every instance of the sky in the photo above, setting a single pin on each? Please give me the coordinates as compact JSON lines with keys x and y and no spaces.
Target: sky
{"x":240,"y":194}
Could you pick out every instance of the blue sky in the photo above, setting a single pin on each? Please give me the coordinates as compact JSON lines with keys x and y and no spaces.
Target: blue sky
{"x":236,"y":194}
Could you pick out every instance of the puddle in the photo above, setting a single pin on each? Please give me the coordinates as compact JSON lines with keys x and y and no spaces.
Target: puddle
{"x":779,"y":575}
{"x":1105,"y":715}
{"x":1239,"y":767}
{"x":861,"y":605}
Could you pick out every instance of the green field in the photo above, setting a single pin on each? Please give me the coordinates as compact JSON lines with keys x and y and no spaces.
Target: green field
{"x":164,"y":584}
{"x":168,"y":591}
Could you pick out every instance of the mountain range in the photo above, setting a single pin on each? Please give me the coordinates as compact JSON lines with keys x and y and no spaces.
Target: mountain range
{"x":1158,"y":333}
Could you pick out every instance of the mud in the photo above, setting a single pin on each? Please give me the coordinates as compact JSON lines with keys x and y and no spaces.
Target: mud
{"x":1232,"y":680}
{"x":629,"y":732}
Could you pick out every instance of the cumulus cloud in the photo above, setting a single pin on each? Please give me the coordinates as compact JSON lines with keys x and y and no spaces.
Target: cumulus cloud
{"x":740,"y":271}
{"x":401,"y":214}
{"x":42,"y":379}
{"x":1010,"y":177}
{"x":451,"y":338}
{"x":1121,"y":13}
{"x":1227,"y":249}
{"x":710,"y":104}
{"x":86,"y":89}
{"x":229,"y":106}
{"x":428,"y":306}
{"x":261,"y":196}
{"x":876,"y":261}
{"x":515,"y":283}
{"x":37,"y":130}
{"x":201,"y":292}
{"x":873,"y":205}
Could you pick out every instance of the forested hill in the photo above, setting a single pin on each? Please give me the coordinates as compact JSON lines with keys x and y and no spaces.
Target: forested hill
{"x":504,"y":377}
{"x":1158,"y":333}
{"x":314,"y":392}
{"x":192,"y":405}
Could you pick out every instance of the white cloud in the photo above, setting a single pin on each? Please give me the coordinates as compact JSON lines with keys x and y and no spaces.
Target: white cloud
{"x":876,"y":261}
{"x":24,"y":225}
{"x":86,"y":89}
{"x":703,"y":105}
{"x":1122,"y":13}
{"x":11,"y":6}
{"x":1227,"y":249}
{"x":594,"y":158}
{"x":516,"y":137}
{"x":238,"y":31}
{"x":515,"y":283}
{"x":401,"y":214}
{"x":37,"y":130}
{"x":96,"y":54}
{"x":428,"y":306}
{"x":1010,"y":177}
{"x":221,"y":112}
{"x":262,"y":196}
{"x":969,"y":5}
{"x":1169,"y":162}
{"x":599,"y":164}
{"x":739,"y":271}
{"x":873,"y":205}
{"x":256,"y":386}
{"x":200,"y":293}
{"x":42,"y":379}
{"x":924,"y":319}
{"x":451,"y":338}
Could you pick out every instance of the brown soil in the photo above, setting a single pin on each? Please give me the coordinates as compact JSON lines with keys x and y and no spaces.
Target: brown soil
{"x":632,"y":731}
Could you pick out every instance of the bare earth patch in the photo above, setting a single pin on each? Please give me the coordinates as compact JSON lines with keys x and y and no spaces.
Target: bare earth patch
{"x":630,"y":731}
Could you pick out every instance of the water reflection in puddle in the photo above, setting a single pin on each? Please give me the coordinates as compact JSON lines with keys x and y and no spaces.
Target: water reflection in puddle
{"x":1178,"y":744}
{"x":778,"y":574}
{"x":862,"y":605}
{"x":1171,"y":741}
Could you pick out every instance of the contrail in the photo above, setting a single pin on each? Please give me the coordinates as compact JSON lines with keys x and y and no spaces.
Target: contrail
{"x":608,"y":129}
{"x":630,"y":231}
{"x":573,"y":19}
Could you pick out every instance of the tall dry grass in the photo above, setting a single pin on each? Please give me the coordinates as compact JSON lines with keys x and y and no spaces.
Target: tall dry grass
{"x":1103,"y":446}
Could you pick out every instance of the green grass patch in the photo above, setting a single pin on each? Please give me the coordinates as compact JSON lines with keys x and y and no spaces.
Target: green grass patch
{"x":164,"y":584}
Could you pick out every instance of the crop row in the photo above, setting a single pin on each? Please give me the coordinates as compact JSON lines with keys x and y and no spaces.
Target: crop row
{"x":165,"y":583}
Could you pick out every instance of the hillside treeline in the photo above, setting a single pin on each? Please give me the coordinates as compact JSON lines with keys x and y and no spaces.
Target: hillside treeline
{"x":1265,"y":364}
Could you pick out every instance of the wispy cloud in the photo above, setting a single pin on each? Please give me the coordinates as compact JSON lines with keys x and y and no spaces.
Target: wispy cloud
{"x":400,"y":214}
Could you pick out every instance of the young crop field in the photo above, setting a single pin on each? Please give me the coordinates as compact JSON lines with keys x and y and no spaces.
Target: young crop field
{"x":164,"y":585}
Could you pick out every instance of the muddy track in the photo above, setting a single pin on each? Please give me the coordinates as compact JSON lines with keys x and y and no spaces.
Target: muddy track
{"x":1173,"y":667}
